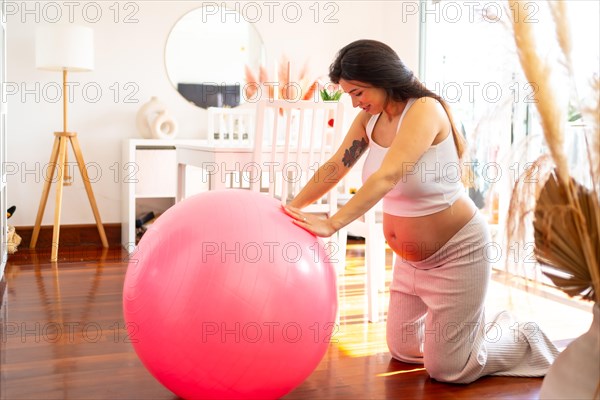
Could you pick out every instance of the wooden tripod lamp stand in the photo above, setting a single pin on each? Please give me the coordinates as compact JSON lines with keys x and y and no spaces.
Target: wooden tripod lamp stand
{"x":64,"y":48}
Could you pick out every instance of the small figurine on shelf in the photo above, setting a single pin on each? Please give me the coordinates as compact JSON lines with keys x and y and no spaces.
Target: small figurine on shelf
{"x":13,"y":240}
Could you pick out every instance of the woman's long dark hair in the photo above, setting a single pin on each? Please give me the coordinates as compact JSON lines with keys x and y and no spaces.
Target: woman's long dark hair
{"x":377,"y":64}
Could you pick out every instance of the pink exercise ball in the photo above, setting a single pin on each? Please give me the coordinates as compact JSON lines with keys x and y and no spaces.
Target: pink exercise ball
{"x":226,"y":298}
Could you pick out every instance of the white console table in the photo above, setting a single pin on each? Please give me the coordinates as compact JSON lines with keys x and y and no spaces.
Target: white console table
{"x":148,"y":180}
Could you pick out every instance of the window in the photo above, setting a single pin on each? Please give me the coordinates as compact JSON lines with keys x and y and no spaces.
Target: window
{"x":470,"y":60}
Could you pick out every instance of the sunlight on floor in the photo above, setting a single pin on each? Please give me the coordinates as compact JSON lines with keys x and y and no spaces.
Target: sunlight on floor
{"x":549,"y":309}
{"x":554,"y":312}
{"x":406,"y":371}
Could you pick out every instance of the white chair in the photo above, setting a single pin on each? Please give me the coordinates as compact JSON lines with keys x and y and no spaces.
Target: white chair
{"x":232,"y":127}
{"x":292,"y":140}
{"x":300,"y":141}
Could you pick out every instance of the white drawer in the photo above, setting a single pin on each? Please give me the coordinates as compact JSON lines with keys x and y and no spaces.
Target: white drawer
{"x":156,"y":173}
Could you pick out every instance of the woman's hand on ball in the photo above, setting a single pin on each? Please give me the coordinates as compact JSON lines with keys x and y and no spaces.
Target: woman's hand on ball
{"x":315,"y":224}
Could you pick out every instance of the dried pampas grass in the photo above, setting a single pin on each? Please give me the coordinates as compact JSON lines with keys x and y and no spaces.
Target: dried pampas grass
{"x":567,"y":215}
{"x":524,"y":194}
{"x":558,"y":9}
{"x":591,"y":115}
{"x":566,"y":220}
{"x":252,"y":89}
{"x":298,"y":87}
{"x":556,"y":226}
{"x":539,"y":73}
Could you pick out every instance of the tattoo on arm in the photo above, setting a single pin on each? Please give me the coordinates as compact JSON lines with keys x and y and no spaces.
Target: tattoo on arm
{"x":352,"y":154}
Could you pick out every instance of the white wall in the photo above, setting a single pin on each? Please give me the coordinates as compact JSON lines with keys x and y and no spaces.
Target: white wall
{"x":129,"y":62}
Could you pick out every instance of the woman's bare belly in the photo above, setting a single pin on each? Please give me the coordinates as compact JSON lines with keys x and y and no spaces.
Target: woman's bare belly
{"x":416,"y":238}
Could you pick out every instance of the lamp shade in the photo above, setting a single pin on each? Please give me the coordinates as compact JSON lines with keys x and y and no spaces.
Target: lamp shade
{"x":64,"y":47}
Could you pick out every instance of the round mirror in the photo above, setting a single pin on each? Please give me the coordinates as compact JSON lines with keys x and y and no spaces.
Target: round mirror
{"x":206,"y":53}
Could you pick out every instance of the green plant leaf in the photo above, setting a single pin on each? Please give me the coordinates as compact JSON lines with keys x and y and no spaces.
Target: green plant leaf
{"x":330,"y":96}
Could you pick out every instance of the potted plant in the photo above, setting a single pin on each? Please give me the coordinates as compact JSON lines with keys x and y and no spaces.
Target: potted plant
{"x":566,"y":211}
{"x":331,"y":95}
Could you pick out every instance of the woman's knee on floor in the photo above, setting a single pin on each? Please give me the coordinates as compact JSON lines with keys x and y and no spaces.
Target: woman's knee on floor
{"x":445,"y":369}
{"x":405,"y":345}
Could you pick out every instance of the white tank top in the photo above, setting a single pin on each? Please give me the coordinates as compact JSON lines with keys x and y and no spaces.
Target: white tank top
{"x":431,"y":185}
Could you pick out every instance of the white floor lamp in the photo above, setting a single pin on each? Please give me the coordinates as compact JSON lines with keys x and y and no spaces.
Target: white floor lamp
{"x":64,"y":48}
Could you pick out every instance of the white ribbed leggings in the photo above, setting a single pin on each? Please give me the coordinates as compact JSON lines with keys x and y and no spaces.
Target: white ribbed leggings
{"x":436,"y":316}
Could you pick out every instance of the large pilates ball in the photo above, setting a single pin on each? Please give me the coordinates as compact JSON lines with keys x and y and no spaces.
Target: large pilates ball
{"x":225,"y":297}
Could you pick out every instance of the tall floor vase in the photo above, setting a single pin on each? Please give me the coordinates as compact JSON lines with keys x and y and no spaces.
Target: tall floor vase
{"x":576,"y":372}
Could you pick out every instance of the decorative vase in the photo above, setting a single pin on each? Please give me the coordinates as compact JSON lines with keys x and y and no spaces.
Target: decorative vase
{"x":575,"y":374}
{"x":154,"y":121}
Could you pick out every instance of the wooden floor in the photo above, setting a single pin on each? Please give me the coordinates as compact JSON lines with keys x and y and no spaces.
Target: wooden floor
{"x":63,"y":337}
